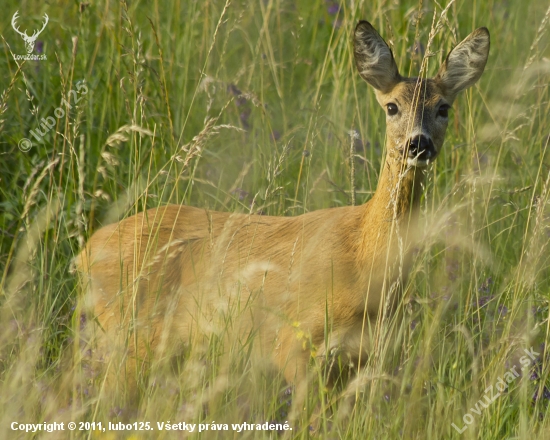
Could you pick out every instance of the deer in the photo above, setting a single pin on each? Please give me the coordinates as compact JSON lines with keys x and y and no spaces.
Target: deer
{"x":170,"y":274}
{"x":29,"y":40}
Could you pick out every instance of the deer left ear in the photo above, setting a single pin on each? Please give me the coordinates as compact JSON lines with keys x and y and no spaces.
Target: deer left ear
{"x":465,"y":63}
{"x":374,"y":58}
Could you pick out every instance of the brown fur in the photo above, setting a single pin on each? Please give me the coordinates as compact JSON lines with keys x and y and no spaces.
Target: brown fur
{"x":173,"y":274}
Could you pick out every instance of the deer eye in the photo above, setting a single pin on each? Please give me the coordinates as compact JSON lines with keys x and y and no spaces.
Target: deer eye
{"x":444,"y":111}
{"x":392,"y":109}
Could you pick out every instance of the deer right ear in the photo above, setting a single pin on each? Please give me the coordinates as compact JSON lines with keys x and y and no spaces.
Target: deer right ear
{"x":465,"y":63}
{"x":374,"y":58}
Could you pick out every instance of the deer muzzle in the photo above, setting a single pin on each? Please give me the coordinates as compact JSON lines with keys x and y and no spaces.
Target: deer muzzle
{"x":420,"y":150}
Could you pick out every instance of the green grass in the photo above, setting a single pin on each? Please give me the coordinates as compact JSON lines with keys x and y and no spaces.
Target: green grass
{"x":248,"y":107}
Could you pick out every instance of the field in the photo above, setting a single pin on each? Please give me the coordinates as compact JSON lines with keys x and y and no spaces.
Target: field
{"x":257,"y":107}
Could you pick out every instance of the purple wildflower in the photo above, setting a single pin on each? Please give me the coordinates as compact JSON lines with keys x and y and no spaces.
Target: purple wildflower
{"x":333,"y":8}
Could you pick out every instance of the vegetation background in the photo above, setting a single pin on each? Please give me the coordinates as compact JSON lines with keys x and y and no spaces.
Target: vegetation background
{"x":255,"y":106}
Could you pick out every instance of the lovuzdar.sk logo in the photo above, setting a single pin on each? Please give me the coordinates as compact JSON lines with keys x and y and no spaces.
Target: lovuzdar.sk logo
{"x":30,"y":40}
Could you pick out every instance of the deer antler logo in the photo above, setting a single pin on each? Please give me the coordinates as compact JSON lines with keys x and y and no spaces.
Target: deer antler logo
{"x":29,"y":40}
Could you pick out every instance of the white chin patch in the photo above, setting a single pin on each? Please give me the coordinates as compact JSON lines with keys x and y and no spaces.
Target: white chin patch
{"x":416,"y":162}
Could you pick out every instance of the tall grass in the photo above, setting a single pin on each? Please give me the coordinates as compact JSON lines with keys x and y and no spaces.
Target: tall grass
{"x":257,"y":107}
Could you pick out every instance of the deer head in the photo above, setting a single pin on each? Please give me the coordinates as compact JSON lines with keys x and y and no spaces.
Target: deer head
{"x":29,"y":40}
{"x":417,"y":108}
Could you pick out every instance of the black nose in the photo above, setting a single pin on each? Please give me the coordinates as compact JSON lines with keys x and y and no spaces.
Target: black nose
{"x":422,"y":148}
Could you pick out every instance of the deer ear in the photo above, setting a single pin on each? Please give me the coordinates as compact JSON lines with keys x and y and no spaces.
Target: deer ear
{"x":465,"y":63}
{"x":374,"y":58}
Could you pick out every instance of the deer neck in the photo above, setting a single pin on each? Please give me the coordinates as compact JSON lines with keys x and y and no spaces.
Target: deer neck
{"x":392,"y":210}
{"x":398,"y":192}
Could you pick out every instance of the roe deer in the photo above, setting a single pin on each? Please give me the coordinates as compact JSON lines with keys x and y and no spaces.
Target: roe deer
{"x":168,"y":274}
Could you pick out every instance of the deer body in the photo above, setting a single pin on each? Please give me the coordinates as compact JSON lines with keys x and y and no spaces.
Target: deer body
{"x":175,"y":273}
{"x":296,"y":266}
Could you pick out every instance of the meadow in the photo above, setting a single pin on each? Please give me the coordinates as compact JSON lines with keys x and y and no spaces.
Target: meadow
{"x":257,"y":107}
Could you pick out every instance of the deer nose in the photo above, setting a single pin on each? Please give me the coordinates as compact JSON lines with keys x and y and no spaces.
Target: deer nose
{"x":422,"y":148}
